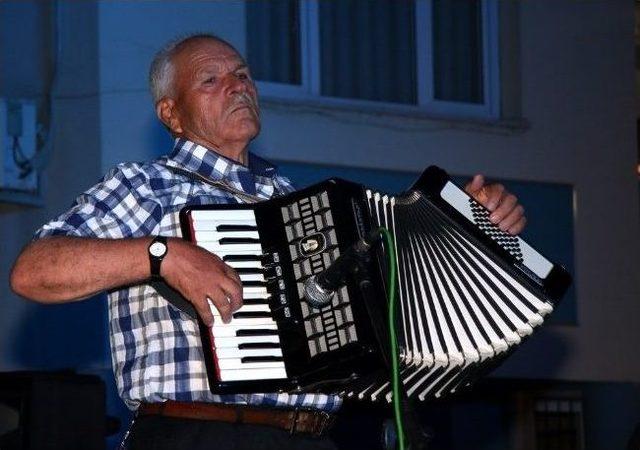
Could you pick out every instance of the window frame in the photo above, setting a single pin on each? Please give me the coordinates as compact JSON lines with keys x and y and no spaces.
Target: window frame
{"x":309,"y":89}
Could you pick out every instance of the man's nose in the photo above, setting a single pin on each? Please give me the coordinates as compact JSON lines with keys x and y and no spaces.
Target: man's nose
{"x":235,"y":83}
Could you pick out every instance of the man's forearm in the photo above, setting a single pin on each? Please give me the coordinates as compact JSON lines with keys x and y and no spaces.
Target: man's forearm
{"x":59,"y":269}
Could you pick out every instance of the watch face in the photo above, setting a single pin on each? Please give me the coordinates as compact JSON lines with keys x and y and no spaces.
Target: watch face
{"x":157,"y":249}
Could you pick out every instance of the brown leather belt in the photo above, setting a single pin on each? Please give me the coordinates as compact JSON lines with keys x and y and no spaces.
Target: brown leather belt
{"x":292,"y":420}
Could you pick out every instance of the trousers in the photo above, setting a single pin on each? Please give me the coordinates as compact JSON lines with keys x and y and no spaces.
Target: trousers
{"x":169,"y":433}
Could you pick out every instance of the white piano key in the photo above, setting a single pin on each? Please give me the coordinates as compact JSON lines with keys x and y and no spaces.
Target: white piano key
{"x":227,"y":252}
{"x":255,"y":290}
{"x":252,"y":321}
{"x":244,"y":308}
{"x":236,"y":363}
{"x":264,"y":307}
{"x":211,"y":225}
{"x":246,"y":264}
{"x":242,"y":323}
{"x":253,"y":374}
{"x":252,"y":277}
{"x":244,"y":249}
{"x":223,"y":215}
{"x":230,"y":352}
{"x":256,"y":295}
{"x":222,"y":342}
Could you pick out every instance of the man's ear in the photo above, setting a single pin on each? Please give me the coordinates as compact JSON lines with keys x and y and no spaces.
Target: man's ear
{"x":168,"y":115}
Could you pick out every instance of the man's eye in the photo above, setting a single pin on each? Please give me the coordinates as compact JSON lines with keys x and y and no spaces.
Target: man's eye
{"x":210,"y":80}
{"x":243,"y":76}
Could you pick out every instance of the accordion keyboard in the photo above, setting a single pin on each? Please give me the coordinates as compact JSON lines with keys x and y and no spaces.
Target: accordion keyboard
{"x":248,"y":347}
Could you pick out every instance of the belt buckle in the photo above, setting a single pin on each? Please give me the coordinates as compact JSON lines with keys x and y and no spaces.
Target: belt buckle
{"x":294,"y":423}
{"x":325,"y":422}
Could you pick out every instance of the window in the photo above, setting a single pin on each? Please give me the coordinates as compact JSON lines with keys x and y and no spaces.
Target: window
{"x":437,"y":56}
{"x":274,"y":45}
{"x":558,"y":424}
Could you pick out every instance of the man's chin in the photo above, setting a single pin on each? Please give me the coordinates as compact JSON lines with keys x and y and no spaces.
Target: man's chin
{"x":246,"y":129}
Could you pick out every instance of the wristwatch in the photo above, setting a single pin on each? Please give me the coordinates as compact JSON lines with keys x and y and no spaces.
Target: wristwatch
{"x":157,"y":251}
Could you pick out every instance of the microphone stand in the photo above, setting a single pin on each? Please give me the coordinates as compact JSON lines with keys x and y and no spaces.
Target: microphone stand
{"x":360,"y":272}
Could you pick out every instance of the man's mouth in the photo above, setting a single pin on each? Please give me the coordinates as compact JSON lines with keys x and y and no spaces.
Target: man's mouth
{"x":243,"y":102}
{"x":240,"y":106}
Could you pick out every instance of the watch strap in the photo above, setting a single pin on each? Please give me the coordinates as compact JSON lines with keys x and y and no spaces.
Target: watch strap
{"x":156,"y":261}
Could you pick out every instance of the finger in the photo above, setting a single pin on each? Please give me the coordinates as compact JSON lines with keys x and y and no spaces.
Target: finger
{"x":506,"y":205}
{"x":474,"y":185}
{"x":232,"y":273}
{"x":494,"y":193}
{"x":204,"y":309}
{"x":222,"y":305}
{"x":233,"y":291}
{"x":518,"y":226}
{"x":512,"y":218}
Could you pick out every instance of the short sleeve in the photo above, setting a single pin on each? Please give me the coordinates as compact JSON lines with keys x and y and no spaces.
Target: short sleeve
{"x":122,"y":205}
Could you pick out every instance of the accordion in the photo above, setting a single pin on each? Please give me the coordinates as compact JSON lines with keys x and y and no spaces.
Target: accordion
{"x":468,"y":293}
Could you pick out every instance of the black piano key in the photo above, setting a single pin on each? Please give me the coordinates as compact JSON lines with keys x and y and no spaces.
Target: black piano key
{"x":256,"y":332}
{"x":248,"y":270}
{"x":255,"y":359}
{"x":236,"y":228}
{"x":258,"y":345}
{"x":255,"y":301}
{"x":249,"y":283}
{"x":230,"y":258}
{"x":238,"y":240}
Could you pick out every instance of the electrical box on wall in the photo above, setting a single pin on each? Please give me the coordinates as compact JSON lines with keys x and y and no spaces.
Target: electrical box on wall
{"x":18,"y":148}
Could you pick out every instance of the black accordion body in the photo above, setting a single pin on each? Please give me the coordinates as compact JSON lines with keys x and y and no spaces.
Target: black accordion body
{"x":468,"y":293}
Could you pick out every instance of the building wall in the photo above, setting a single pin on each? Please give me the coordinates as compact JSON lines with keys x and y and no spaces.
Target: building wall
{"x":73,"y":165}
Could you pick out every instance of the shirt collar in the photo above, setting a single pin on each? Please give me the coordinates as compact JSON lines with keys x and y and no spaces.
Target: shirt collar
{"x":215,"y":166}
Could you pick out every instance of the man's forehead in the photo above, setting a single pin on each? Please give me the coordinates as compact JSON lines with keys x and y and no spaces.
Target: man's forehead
{"x":209,"y":48}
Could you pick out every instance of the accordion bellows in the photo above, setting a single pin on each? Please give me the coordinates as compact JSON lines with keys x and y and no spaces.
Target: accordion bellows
{"x":462,"y":310}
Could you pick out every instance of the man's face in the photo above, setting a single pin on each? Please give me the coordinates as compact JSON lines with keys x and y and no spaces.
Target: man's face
{"x":215,"y":98}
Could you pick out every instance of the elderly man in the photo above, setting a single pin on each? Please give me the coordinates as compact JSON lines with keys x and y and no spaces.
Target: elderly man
{"x":124,"y":231}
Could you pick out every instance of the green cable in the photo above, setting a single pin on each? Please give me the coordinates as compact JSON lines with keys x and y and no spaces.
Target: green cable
{"x":395,"y":372}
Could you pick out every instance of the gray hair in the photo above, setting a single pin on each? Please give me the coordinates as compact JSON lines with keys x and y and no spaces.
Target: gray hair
{"x":162,"y":70}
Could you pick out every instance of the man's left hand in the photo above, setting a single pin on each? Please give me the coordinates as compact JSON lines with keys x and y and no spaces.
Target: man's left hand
{"x":506,"y":213}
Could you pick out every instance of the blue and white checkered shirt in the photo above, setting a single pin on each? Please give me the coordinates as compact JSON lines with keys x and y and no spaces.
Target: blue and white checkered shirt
{"x":156,"y":349}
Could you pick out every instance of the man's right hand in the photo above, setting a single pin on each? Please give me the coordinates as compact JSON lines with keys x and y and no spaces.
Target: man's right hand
{"x":199,"y":276}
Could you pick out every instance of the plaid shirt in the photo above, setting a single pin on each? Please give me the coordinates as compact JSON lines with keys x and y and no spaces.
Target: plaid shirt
{"x":155,"y":348}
